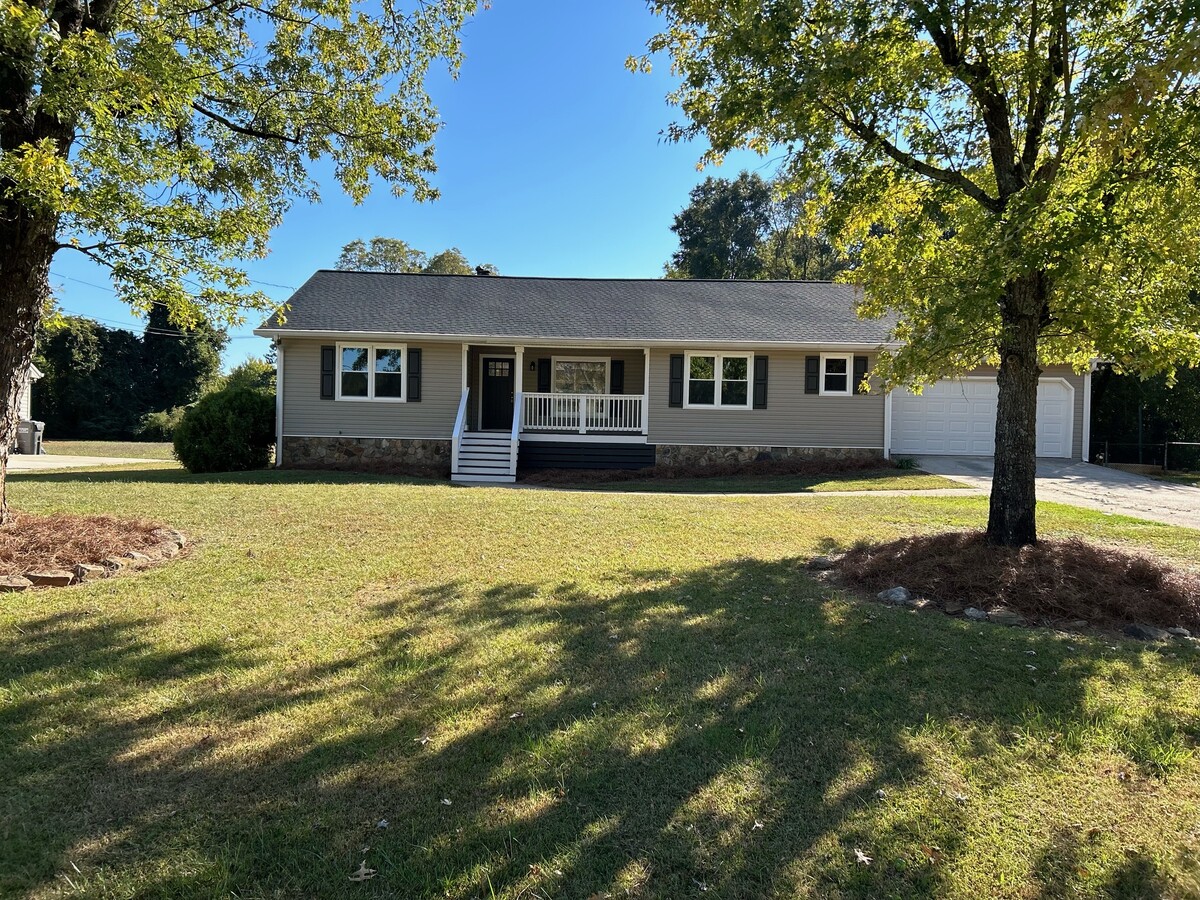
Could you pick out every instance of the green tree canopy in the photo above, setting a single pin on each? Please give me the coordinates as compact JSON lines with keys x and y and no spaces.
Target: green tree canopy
{"x":166,"y":140}
{"x":178,"y":363}
{"x":381,"y":254}
{"x":1023,"y":178}
{"x":742,"y":228}
{"x":384,"y":254}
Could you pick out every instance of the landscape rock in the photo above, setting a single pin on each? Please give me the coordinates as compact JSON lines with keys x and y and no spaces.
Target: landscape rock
{"x":138,"y":558}
{"x":822,"y":564}
{"x":88,"y":572}
{"x":975,"y":615}
{"x":922,"y":605}
{"x":1179,"y":632}
{"x":170,"y":534}
{"x":50,"y":577}
{"x":1006,"y":616}
{"x":953,"y":607}
{"x":14,"y":583}
{"x":1076,"y":624}
{"x":897,"y":595}
{"x":167,"y":549}
{"x":114,"y":562}
{"x":1147,"y":632}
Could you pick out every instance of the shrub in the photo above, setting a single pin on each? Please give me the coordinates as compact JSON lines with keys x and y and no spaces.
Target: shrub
{"x":227,"y":431}
{"x":160,"y":426}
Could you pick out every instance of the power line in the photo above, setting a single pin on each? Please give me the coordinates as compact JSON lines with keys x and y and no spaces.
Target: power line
{"x":105,"y":287}
{"x":125,"y":326}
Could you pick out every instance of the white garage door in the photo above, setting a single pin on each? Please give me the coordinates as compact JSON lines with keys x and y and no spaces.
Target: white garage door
{"x":958,"y":418}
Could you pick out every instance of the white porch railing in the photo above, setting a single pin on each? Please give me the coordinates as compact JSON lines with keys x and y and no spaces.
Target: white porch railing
{"x":514,"y":438}
{"x":583,"y":413}
{"x":460,"y":425}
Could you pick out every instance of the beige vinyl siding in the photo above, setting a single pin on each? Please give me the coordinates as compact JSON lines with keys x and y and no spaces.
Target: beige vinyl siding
{"x":792,"y":418}
{"x":1072,"y":378}
{"x":431,"y":418}
{"x":635,"y":364}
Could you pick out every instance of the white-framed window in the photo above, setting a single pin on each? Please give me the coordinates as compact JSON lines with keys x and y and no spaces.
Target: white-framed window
{"x":372,"y":372}
{"x":837,"y":374}
{"x":717,"y":380}
{"x":579,"y":374}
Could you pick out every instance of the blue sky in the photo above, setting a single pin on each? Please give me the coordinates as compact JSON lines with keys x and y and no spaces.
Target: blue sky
{"x":550,"y":162}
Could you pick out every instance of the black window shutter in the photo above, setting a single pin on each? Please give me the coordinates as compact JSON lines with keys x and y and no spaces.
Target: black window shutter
{"x":812,"y":374}
{"x":675,"y":394}
{"x":328,"y":357}
{"x":616,"y":377}
{"x":760,"y":382}
{"x":860,"y":374}
{"x":543,"y":376}
{"x":414,"y":375}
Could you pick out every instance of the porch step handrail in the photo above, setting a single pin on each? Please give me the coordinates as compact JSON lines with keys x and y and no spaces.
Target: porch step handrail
{"x":515,"y":435}
{"x":583,"y":413}
{"x":460,"y":426}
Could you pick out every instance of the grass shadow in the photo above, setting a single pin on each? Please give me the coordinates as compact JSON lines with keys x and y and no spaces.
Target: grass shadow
{"x":731,"y":730}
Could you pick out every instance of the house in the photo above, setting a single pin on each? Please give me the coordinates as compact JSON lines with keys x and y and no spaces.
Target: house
{"x":24,"y":399}
{"x":480,"y":375}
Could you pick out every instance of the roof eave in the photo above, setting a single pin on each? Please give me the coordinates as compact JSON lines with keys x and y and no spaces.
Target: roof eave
{"x":542,"y":341}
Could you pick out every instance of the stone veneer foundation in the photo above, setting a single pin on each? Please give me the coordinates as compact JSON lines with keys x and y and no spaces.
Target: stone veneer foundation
{"x":689,"y":455}
{"x":377,"y":454}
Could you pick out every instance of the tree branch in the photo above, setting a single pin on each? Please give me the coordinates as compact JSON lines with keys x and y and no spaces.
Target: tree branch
{"x":248,"y":130}
{"x":954,"y":179}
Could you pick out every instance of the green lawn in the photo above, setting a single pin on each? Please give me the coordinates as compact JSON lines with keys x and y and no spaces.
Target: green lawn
{"x":1189,"y":478}
{"x":640,"y":696}
{"x":129,"y":449}
{"x":871,"y":480}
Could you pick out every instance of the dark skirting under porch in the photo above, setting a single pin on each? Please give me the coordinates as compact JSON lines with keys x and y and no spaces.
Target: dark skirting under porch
{"x":537,"y":455}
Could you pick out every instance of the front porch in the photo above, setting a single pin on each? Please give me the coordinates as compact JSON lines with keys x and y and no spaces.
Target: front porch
{"x":544,"y":394}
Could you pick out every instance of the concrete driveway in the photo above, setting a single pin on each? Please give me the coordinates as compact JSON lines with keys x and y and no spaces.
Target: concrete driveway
{"x":1087,"y":485}
{"x":20,"y":462}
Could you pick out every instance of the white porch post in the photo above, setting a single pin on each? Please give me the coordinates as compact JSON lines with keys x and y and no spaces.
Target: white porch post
{"x":279,"y":403}
{"x":887,"y":425}
{"x":518,"y":381}
{"x":646,"y":392}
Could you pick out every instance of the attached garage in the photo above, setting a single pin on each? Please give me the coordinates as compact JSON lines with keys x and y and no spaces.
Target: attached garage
{"x":957,"y":417}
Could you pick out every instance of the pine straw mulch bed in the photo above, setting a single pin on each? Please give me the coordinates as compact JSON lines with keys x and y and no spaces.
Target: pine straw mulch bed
{"x":1052,"y":581}
{"x":32,"y":543}
{"x":757,"y":469}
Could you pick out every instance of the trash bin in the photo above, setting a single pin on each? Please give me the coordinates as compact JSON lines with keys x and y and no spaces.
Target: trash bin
{"x":29,"y":437}
{"x":24,"y":436}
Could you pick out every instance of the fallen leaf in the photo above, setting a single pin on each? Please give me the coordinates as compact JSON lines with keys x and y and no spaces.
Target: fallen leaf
{"x":363,"y":873}
{"x":422,"y":740}
{"x":517,"y":715}
{"x":861,"y":858}
{"x":757,"y":826}
{"x":933,"y":854}
{"x":880,"y":794}
{"x":382,"y":823}
{"x":445,"y":801}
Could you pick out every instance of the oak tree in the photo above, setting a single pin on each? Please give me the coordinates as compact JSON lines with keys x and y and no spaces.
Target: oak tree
{"x":165,"y":140}
{"x":1021,"y":178}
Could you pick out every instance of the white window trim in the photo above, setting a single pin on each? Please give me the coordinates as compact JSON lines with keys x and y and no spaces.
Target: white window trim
{"x":555,"y":360}
{"x":849,"y":391}
{"x":717,"y":371}
{"x":371,"y":348}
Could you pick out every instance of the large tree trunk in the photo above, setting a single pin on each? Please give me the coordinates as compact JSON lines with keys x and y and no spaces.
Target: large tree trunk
{"x":1011,"y":517}
{"x":27,"y":243}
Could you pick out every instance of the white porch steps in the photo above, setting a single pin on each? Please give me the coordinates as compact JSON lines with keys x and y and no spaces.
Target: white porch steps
{"x":485,"y":458}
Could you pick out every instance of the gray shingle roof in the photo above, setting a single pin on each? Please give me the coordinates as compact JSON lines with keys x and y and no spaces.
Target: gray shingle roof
{"x":619,"y":310}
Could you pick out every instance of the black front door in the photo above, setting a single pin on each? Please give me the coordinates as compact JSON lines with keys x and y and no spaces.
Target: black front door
{"x":497,"y":395}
